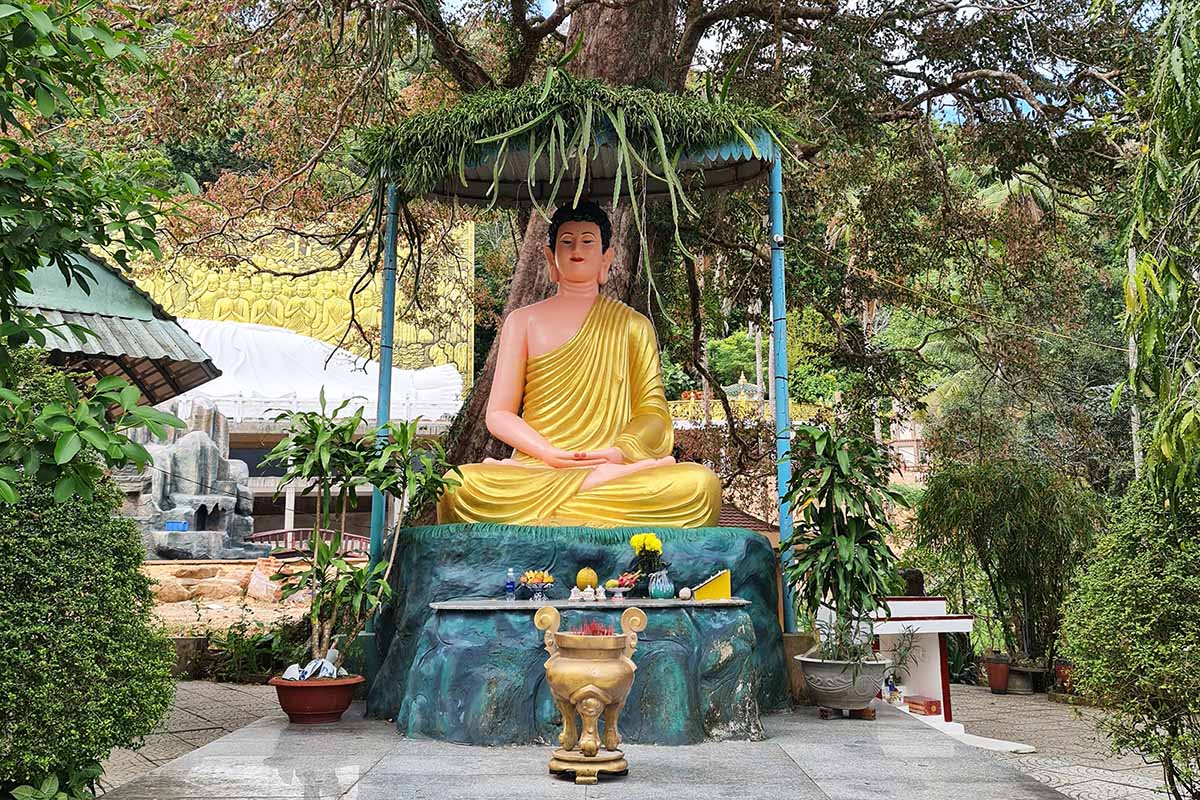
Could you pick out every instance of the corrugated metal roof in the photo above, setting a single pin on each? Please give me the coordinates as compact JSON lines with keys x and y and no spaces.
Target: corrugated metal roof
{"x":152,"y":338}
{"x":136,"y":340}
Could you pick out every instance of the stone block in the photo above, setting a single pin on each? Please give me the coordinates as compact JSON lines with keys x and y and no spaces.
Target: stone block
{"x":259,"y":584}
{"x":197,"y":572}
{"x":245,"y":501}
{"x":216,"y":589}
{"x":168,"y":590}
{"x":240,"y":575}
{"x":196,"y":464}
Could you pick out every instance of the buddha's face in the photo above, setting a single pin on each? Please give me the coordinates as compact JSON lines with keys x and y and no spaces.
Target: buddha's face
{"x":578,"y":255}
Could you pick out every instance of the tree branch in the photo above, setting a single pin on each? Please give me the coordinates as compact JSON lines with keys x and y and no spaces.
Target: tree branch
{"x":698,"y":22}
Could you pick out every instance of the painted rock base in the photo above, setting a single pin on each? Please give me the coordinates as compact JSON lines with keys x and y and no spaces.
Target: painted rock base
{"x":477,"y":678}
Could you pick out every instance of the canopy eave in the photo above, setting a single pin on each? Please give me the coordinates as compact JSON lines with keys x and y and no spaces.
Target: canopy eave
{"x":518,"y":182}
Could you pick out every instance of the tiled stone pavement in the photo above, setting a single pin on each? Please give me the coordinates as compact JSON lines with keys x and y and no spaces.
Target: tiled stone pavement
{"x":1071,"y":756}
{"x":202,"y":712}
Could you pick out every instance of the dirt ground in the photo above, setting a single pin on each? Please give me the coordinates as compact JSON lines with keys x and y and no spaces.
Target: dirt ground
{"x":198,"y":596}
{"x":188,"y":618}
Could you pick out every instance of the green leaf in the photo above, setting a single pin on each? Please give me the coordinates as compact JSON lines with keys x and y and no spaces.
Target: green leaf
{"x":39,"y":20}
{"x":45,"y":102}
{"x":8,"y":494}
{"x":63,"y":489}
{"x":1176,"y":60}
{"x":129,"y":397}
{"x":96,"y":438}
{"x":66,"y":448}
{"x":108,"y":383}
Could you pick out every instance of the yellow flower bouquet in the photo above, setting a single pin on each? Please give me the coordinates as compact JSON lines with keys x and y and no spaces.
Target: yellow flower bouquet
{"x":647,"y":558}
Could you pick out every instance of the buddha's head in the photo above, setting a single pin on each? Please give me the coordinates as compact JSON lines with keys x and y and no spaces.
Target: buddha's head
{"x":579,"y":248}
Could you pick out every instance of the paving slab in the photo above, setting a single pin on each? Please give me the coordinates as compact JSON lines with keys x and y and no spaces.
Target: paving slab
{"x":803,"y":758}
{"x":1072,"y":756}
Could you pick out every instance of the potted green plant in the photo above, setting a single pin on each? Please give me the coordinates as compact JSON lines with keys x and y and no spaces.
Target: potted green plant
{"x":841,"y":565}
{"x":333,"y":458}
{"x":903,"y":658}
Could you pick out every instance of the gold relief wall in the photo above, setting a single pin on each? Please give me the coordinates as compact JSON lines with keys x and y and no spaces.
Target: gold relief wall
{"x":318,"y":305}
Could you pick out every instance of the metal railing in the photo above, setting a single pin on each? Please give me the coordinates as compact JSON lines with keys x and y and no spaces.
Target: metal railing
{"x":743,"y":408}
{"x":298,"y":538}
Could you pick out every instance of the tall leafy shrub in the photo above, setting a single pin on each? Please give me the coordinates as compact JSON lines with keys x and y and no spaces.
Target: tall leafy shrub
{"x":839,"y":494}
{"x":84,"y":670}
{"x":1131,"y":627}
{"x":1026,"y":525}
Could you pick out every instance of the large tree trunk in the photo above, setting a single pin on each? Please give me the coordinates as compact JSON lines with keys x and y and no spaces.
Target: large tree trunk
{"x":620,"y":46}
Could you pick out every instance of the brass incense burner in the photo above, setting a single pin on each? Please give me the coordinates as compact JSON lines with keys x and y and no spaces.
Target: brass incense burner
{"x":589,"y":677}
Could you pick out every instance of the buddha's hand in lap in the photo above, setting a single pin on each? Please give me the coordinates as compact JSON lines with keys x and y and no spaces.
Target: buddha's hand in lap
{"x":611,"y":472}
{"x":557,"y":458}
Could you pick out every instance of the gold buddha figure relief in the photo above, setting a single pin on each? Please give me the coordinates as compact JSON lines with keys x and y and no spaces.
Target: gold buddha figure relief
{"x":578,"y":394}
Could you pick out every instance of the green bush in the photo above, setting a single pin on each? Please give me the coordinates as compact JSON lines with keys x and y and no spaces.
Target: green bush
{"x":1026,"y":526}
{"x":1131,"y":628}
{"x":84,"y":671}
{"x":250,"y":648}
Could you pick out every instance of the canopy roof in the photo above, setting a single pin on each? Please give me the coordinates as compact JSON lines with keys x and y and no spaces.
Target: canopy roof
{"x":541,"y":144}
{"x":266,"y":370}
{"x":133,"y":336}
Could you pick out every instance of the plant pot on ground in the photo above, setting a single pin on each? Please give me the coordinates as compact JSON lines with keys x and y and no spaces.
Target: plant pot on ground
{"x":326,"y":451}
{"x":794,"y":646}
{"x":1027,"y":676}
{"x":842,"y":671}
{"x":997,"y":665}
{"x":842,"y":565}
{"x":316,"y":701}
{"x":189,"y":655}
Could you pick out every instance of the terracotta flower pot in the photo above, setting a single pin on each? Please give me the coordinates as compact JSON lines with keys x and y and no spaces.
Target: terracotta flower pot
{"x":316,"y":701}
{"x":997,"y":672}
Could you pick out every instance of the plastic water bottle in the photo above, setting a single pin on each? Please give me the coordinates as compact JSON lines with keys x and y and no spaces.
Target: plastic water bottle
{"x":510,"y":585}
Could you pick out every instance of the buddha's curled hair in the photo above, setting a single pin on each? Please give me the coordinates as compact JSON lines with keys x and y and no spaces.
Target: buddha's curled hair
{"x":586,"y":211}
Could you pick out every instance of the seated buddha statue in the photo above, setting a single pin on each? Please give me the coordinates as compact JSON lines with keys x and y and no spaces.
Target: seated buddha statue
{"x":578,"y":394}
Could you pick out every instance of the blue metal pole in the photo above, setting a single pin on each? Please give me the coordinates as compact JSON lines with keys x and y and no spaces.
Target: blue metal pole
{"x":783,"y":422}
{"x":383,"y":404}
{"x":383,"y":410}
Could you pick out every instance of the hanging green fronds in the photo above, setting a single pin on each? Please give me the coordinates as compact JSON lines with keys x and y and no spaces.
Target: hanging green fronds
{"x":569,"y":114}
{"x":1163,"y":230}
{"x":562,"y":124}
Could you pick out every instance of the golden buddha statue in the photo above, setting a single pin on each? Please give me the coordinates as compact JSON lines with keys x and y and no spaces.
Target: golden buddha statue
{"x":578,"y":393}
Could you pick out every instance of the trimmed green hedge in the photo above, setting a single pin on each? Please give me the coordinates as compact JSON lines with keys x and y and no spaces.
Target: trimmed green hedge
{"x":83,"y":668}
{"x":1131,"y":626}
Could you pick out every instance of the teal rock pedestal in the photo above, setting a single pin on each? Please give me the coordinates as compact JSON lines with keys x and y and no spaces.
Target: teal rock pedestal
{"x":476,"y":677}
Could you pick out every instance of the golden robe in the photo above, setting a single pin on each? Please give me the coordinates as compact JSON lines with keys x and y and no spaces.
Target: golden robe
{"x":602,"y":388}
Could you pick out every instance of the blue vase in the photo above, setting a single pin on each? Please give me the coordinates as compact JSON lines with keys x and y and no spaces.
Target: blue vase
{"x":661,"y":587}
